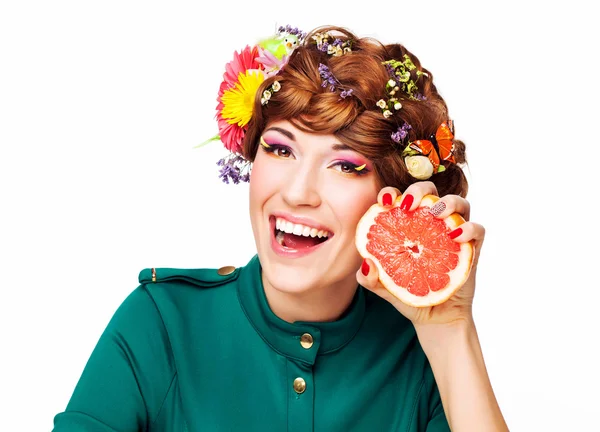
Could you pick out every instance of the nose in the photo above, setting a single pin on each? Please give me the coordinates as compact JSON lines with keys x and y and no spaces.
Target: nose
{"x":289,"y":44}
{"x":301,"y":188}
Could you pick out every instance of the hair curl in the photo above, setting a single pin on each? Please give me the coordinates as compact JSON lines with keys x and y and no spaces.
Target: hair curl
{"x":357,"y":121}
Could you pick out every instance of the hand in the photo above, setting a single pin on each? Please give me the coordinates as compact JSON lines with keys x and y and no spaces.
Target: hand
{"x":457,"y":308}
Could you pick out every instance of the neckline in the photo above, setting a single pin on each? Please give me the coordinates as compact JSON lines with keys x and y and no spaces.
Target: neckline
{"x":283,"y":336}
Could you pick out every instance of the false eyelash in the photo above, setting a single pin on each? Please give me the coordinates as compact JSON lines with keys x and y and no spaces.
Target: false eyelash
{"x":271,"y":148}
{"x":358,"y":170}
{"x":362,"y":169}
{"x":264,"y":143}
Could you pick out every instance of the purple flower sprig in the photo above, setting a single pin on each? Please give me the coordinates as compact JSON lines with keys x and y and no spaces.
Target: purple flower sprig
{"x":292,"y":30}
{"x":400,"y":135}
{"x":330,"y":81}
{"x":234,"y":168}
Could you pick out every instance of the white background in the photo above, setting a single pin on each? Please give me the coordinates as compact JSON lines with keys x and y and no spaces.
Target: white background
{"x":101,"y":104}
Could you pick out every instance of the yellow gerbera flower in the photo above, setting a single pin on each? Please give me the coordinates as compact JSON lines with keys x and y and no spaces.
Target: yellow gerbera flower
{"x":238,"y":101}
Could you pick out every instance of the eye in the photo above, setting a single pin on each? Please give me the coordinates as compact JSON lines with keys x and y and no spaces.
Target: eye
{"x":349,"y":168}
{"x":278,"y":150}
{"x":282,"y":151}
{"x":346,"y":167}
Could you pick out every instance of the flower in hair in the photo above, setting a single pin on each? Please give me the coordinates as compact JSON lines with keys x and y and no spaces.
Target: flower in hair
{"x":330,"y":81}
{"x":437,"y":150}
{"x":402,"y":133}
{"x":242,"y":78}
{"x":401,"y":83}
{"x":266,"y":96}
{"x":420,"y":167}
{"x":234,"y":168}
{"x":335,"y":48}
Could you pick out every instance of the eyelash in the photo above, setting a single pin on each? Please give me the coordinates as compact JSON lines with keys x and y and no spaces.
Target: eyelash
{"x":274,"y":148}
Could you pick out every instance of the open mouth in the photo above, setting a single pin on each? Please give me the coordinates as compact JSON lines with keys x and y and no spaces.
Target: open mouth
{"x":293,"y":236}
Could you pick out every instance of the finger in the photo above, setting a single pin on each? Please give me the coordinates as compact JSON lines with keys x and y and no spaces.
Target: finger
{"x":468,"y":231}
{"x":450,"y":204}
{"x":387,"y":196}
{"x":414,"y":194}
{"x":368,"y":275}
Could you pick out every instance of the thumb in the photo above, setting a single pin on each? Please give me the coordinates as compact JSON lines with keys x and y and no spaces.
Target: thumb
{"x":368,"y":275}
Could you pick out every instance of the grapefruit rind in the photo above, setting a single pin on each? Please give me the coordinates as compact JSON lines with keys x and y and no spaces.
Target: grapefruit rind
{"x":458,"y":275}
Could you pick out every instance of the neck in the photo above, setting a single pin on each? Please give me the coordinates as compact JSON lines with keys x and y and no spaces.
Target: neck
{"x":320,"y":304}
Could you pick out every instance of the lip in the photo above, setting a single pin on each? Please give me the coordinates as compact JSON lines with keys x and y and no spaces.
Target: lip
{"x":302,"y":220}
{"x":286,"y":252}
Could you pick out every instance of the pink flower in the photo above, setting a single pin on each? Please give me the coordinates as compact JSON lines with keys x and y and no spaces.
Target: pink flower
{"x":271,"y":63}
{"x":231,"y":134}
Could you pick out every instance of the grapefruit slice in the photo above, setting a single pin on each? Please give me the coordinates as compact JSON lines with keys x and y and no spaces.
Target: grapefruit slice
{"x":417,"y":261}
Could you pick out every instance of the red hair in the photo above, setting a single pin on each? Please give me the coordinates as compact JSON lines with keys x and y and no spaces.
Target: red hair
{"x":356,"y":120}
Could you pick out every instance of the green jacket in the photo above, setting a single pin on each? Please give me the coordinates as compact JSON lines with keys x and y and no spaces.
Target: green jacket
{"x":200,"y":350}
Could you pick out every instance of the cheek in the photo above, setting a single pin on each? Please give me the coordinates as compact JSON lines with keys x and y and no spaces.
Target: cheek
{"x":351,"y":203}
{"x":263,"y":179}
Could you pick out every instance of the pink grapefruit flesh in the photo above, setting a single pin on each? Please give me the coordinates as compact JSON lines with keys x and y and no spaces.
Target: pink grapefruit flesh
{"x":417,"y":261}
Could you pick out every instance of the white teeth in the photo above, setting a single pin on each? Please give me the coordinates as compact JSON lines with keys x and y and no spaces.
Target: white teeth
{"x":298,"y":229}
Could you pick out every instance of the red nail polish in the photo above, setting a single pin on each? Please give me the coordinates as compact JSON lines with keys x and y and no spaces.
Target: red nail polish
{"x":387,"y":199}
{"x":407,"y":202}
{"x":365,"y":268}
{"x":455,"y":233}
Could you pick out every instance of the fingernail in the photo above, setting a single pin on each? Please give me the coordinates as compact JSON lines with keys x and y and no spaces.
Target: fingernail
{"x":455,"y":233}
{"x":407,"y":202}
{"x":438,"y":208}
{"x":365,"y":268}
{"x":387,"y":199}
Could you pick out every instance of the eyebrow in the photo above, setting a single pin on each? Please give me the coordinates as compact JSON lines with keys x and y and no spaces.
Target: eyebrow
{"x":291,"y":136}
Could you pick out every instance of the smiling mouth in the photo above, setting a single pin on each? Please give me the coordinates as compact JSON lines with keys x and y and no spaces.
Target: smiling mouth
{"x":296,"y":236}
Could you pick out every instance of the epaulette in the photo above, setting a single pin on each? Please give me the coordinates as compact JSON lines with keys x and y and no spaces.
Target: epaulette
{"x":205,"y":278}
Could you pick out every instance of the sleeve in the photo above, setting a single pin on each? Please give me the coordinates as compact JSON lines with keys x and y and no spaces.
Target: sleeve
{"x":438,"y":422}
{"x":128,"y":374}
{"x":437,"y":419}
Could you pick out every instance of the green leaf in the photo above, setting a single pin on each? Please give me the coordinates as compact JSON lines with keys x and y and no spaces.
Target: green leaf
{"x":216,"y":137}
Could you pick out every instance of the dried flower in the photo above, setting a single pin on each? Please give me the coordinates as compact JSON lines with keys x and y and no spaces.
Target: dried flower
{"x":330,"y":81}
{"x":400,"y":135}
{"x":335,"y":48}
{"x":234,"y":168}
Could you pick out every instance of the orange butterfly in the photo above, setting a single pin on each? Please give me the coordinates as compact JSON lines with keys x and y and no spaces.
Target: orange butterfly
{"x":437,"y":147}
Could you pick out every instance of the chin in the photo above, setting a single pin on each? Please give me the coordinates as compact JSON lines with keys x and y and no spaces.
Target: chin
{"x":292,"y":278}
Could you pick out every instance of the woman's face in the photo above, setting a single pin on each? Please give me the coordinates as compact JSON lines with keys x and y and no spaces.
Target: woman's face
{"x":306,"y":198}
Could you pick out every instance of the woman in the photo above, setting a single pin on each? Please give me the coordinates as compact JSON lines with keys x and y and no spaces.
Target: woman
{"x":304,"y":337}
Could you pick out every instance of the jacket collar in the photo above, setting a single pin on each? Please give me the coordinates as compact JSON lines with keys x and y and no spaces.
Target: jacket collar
{"x":285,"y":337}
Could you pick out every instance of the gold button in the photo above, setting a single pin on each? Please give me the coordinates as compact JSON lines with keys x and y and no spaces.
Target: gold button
{"x":299,"y":385}
{"x":153,"y":274}
{"x":306,"y":341}
{"x":224,"y":271}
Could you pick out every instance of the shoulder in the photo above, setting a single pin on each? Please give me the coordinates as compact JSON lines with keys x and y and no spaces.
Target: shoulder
{"x":177,"y":291}
{"x":197,"y":278}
